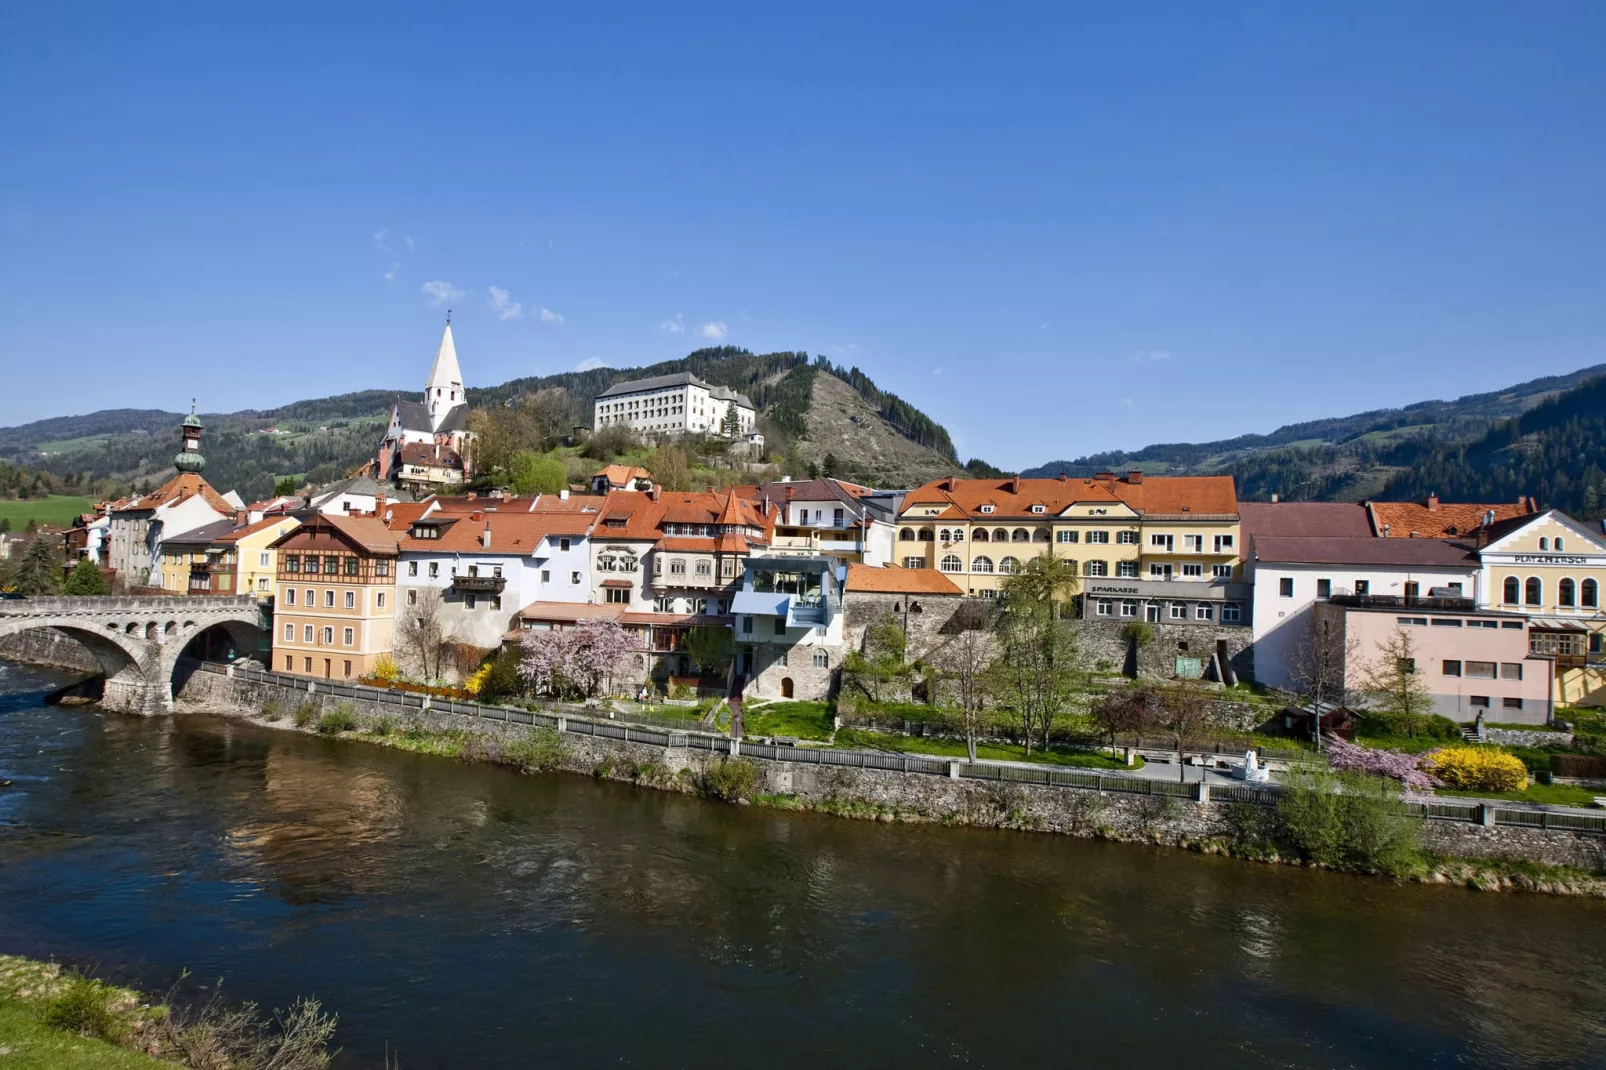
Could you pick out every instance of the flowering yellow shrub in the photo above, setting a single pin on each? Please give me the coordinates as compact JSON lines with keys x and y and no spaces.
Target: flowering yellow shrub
{"x":1480,"y":769}
{"x":474,"y":683}
{"x":386,"y":670}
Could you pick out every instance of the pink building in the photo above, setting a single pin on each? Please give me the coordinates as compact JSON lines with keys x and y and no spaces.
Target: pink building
{"x":1475,"y":661}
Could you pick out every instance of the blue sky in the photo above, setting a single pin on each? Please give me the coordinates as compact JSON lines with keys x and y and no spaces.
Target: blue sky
{"x":1058,"y":228}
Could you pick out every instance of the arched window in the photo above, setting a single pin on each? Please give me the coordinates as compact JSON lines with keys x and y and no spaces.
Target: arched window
{"x":980,"y":536}
{"x":1513,"y":591}
{"x":1040,"y":535}
{"x":944,"y":535}
{"x":1590,"y":590}
{"x":906,"y":535}
{"x":981,"y":564}
{"x":1560,"y":544}
{"x":951,"y":563}
{"x":1009,"y":566}
{"x":959,"y":534}
{"x":1020,"y":535}
{"x":1535,"y":592}
{"x":925,"y":534}
{"x":1544,"y":543}
{"x":677,"y":567}
{"x":1000,"y":535}
{"x":1565,"y":593}
{"x":1098,"y":568}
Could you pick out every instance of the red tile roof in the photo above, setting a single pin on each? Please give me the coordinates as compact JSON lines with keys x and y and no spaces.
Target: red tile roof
{"x":1196,"y":496}
{"x":867,"y":579}
{"x":181,"y":487}
{"x":1305,"y":519}
{"x":511,"y":533}
{"x":1434,"y":519}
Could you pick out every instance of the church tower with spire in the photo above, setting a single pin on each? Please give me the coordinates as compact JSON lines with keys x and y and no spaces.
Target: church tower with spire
{"x":426,"y":443}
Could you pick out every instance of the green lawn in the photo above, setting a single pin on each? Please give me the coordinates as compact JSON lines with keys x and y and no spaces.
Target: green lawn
{"x":29,"y":1044}
{"x":70,"y":445}
{"x":1549,"y":794}
{"x":801,"y":720}
{"x":955,"y":748}
{"x":1407,"y":744}
{"x":56,"y":509}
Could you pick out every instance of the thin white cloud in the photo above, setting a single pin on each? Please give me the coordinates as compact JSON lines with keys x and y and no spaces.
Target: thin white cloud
{"x":408,"y":238}
{"x":1150,"y":356}
{"x":501,"y":302}
{"x":936,"y":371}
{"x":591,"y":364}
{"x":714,"y":330}
{"x":674,"y":326}
{"x":439,"y":291}
{"x":381,"y":242}
{"x":390,"y":273}
{"x":549,"y":316}
{"x":1127,"y":402}
{"x":844,"y":349}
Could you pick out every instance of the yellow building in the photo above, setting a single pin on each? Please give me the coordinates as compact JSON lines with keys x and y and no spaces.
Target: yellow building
{"x":1141,"y":529}
{"x":1552,"y":569}
{"x":197,"y":562}
{"x":256,"y":560}
{"x":334,"y":596}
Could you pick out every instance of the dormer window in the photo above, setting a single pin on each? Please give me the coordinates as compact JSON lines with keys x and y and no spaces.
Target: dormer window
{"x":1037,"y":508}
{"x":987,"y":508}
{"x":425,"y":531}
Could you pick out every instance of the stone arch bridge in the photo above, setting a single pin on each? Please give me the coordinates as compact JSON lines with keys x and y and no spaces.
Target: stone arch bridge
{"x":139,"y":640}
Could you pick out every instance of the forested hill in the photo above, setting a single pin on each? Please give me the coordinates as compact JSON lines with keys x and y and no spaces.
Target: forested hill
{"x":329,"y":436}
{"x":1387,"y":452}
{"x":1556,"y":450}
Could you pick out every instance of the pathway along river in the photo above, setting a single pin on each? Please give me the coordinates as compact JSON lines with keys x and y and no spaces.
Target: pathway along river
{"x":472,"y":917}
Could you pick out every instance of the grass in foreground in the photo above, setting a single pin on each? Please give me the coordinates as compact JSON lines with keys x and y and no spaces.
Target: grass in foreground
{"x":955,"y":748}
{"x":27,"y":1043}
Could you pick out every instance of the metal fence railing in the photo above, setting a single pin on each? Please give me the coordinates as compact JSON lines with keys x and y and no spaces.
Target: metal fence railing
{"x":588,"y":723}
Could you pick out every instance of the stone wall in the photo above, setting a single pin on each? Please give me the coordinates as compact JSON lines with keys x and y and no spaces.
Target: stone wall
{"x":918,"y":796}
{"x":1106,"y":640}
{"x":48,"y":647}
{"x":1515,"y":737}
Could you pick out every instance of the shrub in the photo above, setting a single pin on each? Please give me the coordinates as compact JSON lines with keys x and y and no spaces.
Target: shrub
{"x":1139,"y":633}
{"x":731,"y":779}
{"x":382,"y":725}
{"x":305,"y":713}
{"x":476,"y":682}
{"x":1352,"y":822}
{"x":84,"y":1006}
{"x":386,"y":670}
{"x":503,"y":679}
{"x":340,"y":719}
{"x":271,"y":710}
{"x":541,"y":749}
{"x":1479,"y":769}
{"x":1578,"y":765}
{"x":1381,"y":723}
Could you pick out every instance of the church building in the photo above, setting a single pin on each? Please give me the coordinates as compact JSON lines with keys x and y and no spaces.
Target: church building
{"x":425,"y":447}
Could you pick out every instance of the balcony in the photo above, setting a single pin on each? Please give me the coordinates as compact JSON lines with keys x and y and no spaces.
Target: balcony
{"x":479,"y":584}
{"x":1393,"y":601}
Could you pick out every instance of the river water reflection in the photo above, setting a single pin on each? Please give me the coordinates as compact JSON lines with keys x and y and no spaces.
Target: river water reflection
{"x":471,"y":917}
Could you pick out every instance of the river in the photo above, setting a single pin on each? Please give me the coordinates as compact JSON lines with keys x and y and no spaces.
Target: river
{"x":469,"y":916}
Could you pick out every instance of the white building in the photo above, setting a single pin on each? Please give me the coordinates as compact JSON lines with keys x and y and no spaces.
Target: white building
{"x":488,"y":565}
{"x":1301,"y":553}
{"x":832,"y":518}
{"x":675,"y":404}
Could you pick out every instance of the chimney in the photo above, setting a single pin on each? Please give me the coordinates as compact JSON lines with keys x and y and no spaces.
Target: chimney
{"x":485,"y":536}
{"x":1135,"y":476}
{"x":1488,"y":517}
{"x":1064,"y":478}
{"x":1274,"y":499}
{"x":1385,"y":531}
{"x":476,"y":515}
{"x":241,"y":517}
{"x":947,"y":484}
{"x":472,"y":495}
{"x":1104,"y":476}
{"x":563,"y":495}
{"x":653,"y":491}
{"x":1014,"y":484}
{"x":1433,"y":503}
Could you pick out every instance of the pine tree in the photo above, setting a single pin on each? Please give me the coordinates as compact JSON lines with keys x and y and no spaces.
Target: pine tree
{"x":86,"y":579}
{"x":38,"y":570}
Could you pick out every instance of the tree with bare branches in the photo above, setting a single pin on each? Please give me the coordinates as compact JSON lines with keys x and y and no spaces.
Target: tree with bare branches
{"x":1395,"y":685}
{"x":421,"y":634}
{"x":962,"y":663}
{"x":1320,"y":659}
{"x":1184,"y":715}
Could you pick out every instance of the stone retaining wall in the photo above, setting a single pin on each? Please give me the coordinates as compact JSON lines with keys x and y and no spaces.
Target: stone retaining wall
{"x":890,"y":794}
{"x":1515,"y":737}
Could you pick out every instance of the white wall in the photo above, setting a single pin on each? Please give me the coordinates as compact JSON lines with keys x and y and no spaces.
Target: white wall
{"x":1278,"y":623}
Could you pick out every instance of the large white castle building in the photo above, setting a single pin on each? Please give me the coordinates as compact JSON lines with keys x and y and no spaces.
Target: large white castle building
{"x":675,"y":404}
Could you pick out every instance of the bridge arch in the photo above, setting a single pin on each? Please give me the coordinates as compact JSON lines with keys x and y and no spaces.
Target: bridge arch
{"x":144,"y":645}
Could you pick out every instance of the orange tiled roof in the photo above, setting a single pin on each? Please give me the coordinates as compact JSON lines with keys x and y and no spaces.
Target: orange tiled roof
{"x":251,"y":529}
{"x":511,"y":533}
{"x":181,"y":487}
{"x":1013,"y":498}
{"x":635,"y":515}
{"x":621,"y":475}
{"x":868,"y":579}
{"x":1434,"y":519}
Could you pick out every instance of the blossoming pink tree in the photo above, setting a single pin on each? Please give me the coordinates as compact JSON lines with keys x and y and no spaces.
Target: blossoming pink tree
{"x":576,"y":662}
{"x":1349,"y":757}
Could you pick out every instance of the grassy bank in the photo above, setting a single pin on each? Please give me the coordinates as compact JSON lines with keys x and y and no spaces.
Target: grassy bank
{"x":59,"y":509}
{"x":59,"y":1018}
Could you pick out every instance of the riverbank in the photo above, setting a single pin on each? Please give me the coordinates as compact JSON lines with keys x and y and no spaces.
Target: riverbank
{"x":1486,"y":857}
{"x":61,"y":1018}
